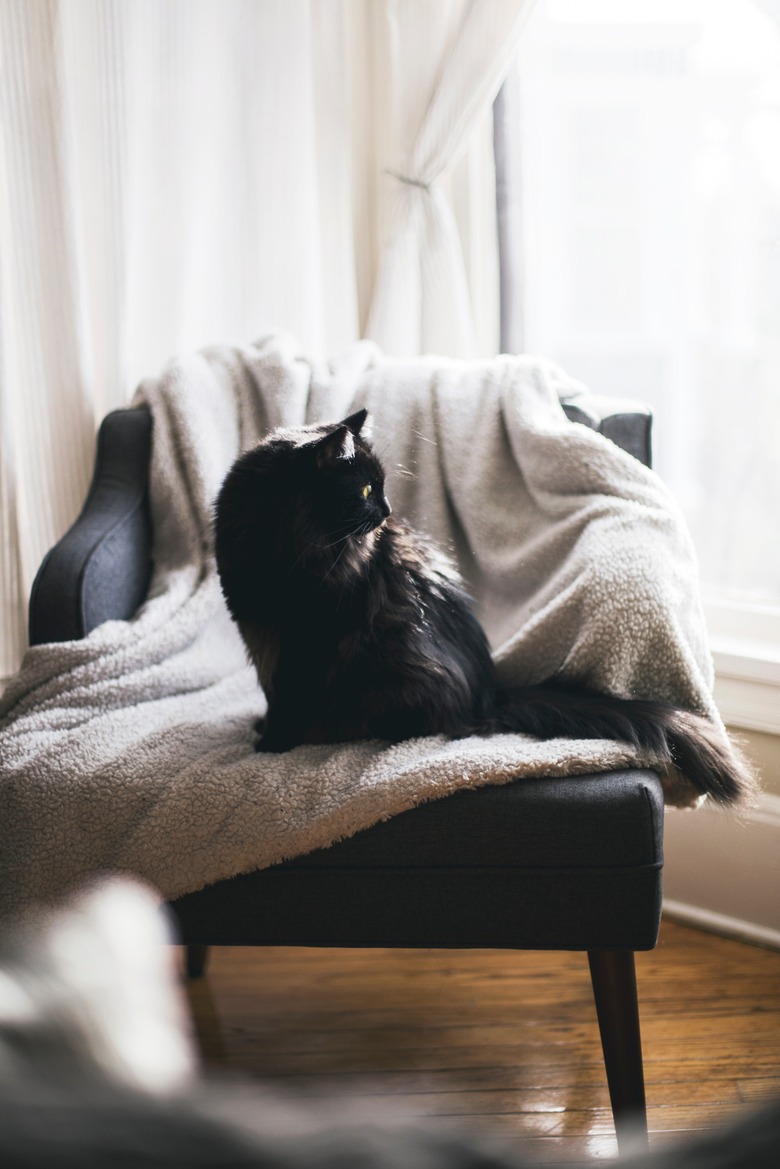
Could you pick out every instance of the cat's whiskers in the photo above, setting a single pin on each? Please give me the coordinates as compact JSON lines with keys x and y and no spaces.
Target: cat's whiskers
{"x":335,"y":562}
{"x":424,"y":438}
{"x":340,"y":540}
{"x":315,"y":547}
{"x":363,"y":553}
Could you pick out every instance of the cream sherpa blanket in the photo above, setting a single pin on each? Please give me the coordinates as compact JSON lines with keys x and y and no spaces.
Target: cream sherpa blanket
{"x":133,"y":749}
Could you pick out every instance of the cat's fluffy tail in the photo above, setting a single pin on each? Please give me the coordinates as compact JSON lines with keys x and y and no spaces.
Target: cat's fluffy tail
{"x":675,"y":738}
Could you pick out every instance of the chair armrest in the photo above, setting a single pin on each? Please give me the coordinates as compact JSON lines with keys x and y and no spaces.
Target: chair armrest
{"x":101,"y":567}
{"x":626,"y":422}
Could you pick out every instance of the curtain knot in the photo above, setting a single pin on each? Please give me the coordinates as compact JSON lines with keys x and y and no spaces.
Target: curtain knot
{"x":408,"y":179}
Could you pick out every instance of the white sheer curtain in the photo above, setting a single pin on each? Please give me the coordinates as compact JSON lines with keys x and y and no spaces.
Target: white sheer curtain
{"x":448,"y":62}
{"x":174,"y":173}
{"x":180,"y":172}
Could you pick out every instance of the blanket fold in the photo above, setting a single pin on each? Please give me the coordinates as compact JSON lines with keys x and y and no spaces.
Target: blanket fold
{"x":133,"y":749}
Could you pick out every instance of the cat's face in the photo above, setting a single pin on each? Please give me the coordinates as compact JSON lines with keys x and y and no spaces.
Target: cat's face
{"x":332,"y":481}
{"x":347,"y":481}
{"x":309,"y":500}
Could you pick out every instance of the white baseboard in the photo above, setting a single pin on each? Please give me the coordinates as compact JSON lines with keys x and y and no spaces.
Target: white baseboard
{"x":722,"y":872}
{"x":721,"y":923}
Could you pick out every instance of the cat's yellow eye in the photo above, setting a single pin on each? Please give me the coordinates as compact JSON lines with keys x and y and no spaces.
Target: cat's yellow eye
{"x":366,"y":490}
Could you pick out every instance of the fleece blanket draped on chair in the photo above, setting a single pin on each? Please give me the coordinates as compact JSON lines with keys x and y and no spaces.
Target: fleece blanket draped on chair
{"x":133,"y":748}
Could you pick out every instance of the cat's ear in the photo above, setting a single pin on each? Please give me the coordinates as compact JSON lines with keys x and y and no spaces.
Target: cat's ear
{"x":339,"y":444}
{"x":355,"y":421}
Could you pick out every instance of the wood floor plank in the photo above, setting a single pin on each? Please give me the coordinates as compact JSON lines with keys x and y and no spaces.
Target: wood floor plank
{"x":504,"y":1042}
{"x":758,"y":1089}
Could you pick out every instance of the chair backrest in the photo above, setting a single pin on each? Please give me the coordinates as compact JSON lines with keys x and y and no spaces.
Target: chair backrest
{"x":101,"y":568}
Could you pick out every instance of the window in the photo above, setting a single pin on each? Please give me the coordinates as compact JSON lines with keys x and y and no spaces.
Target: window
{"x":648,"y":137}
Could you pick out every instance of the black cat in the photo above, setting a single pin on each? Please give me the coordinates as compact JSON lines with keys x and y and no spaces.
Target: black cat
{"x":359,"y":628}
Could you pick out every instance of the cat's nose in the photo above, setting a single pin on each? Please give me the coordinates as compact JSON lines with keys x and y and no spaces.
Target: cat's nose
{"x":386,"y":508}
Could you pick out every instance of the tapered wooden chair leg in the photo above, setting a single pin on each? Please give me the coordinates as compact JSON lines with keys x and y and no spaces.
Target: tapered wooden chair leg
{"x":613,"y":976}
{"x":195,"y":961}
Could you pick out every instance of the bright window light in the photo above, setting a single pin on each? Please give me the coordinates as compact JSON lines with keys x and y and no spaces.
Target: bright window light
{"x":649,"y":139}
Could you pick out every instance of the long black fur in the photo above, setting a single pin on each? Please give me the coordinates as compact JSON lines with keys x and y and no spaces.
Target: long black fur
{"x":359,"y":628}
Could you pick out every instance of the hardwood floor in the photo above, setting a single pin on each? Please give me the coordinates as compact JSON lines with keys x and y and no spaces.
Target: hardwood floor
{"x":505,"y":1041}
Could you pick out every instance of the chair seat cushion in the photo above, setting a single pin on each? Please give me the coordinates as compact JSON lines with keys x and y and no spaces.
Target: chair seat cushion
{"x":558,"y":863}
{"x":614,"y":819}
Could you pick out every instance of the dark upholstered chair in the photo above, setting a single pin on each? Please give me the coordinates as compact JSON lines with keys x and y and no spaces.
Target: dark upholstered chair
{"x":556,"y":864}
